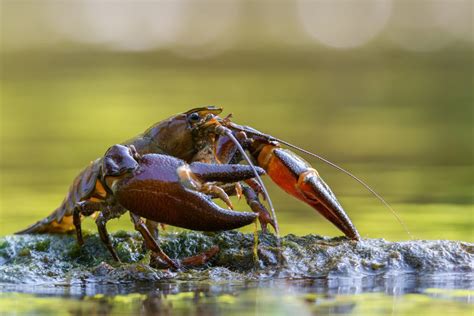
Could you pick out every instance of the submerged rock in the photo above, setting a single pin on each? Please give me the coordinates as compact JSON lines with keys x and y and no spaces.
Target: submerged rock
{"x":57,"y":259}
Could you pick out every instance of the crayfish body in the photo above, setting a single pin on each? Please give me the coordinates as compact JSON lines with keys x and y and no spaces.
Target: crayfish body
{"x":171,"y":173}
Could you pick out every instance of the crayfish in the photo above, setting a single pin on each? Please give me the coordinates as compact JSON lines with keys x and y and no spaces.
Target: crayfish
{"x":171,"y":173}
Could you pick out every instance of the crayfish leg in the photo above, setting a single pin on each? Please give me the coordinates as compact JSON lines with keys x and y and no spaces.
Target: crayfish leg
{"x":201,"y":258}
{"x":84,"y":208}
{"x":150,"y":241}
{"x":152,"y":228}
{"x":106,"y":214}
{"x":253,"y":201}
{"x":152,"y":244}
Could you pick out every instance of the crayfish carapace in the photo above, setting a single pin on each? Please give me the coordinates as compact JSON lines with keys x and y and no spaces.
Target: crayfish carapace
{"x":171,"y":172}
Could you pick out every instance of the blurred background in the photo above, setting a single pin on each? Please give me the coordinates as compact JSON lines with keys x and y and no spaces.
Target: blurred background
{"x":384,"y":88}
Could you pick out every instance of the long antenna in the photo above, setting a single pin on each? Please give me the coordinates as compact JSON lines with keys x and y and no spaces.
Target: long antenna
{"x":380,"y":198}
{"x":228,"y":133}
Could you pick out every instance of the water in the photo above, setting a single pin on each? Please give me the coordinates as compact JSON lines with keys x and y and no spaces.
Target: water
{"x":408,"y":295}
{"x":403,"y":123}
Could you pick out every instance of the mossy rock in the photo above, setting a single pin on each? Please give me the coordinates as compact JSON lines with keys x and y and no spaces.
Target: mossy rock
{"x":57,"y":259}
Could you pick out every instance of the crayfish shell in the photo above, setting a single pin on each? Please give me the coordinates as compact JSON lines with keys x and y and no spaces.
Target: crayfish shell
{"x":154,"y":192}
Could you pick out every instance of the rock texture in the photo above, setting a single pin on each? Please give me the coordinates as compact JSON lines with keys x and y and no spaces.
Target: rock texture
{"x":57,"y":259}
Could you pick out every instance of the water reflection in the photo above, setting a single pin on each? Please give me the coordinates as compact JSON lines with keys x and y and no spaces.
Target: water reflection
{"x":351,"y":296}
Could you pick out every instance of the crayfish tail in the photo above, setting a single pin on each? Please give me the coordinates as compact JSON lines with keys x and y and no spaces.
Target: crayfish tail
{"x":50,"y":224}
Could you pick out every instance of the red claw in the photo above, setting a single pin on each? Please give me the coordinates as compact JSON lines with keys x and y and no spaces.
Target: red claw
{"x":294,"y":175}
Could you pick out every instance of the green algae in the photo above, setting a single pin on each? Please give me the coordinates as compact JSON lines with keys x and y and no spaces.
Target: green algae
{"x":42,"y":245}
{"x":264,"y":301}
{"x":24,"y":252}
{"x":59,"y":259}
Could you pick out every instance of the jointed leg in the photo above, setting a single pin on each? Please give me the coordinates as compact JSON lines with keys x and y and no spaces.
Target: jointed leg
{"x":101,"y":221}
{"x":251,"y":192}
{"x":152,"y":228}
{"x":153,"y":246}
{"x":253,"y":201}
{"x":85,"y":208}
{"x":201,"y":258}
{"x":150,"y":242}
{"x":107,"y":214}
{"x":76,"y":219}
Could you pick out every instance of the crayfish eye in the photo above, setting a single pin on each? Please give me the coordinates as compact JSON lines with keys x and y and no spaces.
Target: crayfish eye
{"x":194,"y":117}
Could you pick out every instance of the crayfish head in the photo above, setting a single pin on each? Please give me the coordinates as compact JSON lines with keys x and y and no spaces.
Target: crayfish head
{"x":180,"y":135}
{"x":202,"y":115}
{"x":204,"y":124}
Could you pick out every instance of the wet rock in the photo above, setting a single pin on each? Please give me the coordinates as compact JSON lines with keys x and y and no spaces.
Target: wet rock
{"x":56,"y":259}
{"x":103,"y":269}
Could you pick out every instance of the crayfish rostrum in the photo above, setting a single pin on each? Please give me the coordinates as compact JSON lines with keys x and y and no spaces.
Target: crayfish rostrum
{"x":171,"y":172}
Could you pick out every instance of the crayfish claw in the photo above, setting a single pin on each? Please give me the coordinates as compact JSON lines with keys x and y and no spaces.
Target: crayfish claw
{"x":318,"y":194}
{"x":298,"y":178}
{"x":225,"y":173}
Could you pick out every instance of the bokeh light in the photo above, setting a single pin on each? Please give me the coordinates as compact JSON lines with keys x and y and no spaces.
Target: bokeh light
{"x":456,"y":17}
{"x":208,"y":30}
{"x":414,"y":27}
{"x":344,"y":23}
{"x":117,"y":24}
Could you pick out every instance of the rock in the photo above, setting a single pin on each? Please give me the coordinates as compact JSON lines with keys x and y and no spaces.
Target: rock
{"x":57,"y":259}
